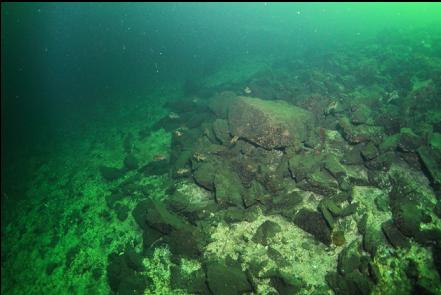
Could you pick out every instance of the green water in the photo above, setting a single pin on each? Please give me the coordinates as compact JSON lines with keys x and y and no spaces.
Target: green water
{"x":220,"y":148}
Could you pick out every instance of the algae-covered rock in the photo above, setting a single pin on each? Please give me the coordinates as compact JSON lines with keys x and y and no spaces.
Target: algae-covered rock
{"x":321,"y":183}
{"x":360,"y":133}
{"x":431,"y":160}
{"x":204,"y":175}
{"x":269,"y":124}
{"x":362,"y":115}
{"x":409,"y":141}
{"x":314,"y":223}
{"x":221,"y":131}
{"x":394,"y":236}
{"x":369,"y":151}
{"x":111,"y":173}
{"x":154,"y":214}
{"x":228,"y":188}
{"x":302,"y":165}
{"x":267,"y":230}
{"x":192,"y":282}
{"x":333,"y":166}
{"x":226,"y":278}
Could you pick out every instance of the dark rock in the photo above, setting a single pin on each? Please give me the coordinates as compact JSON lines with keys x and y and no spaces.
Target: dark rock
{"x":122,"y":212}
{"x":221,"y":131}
{"x":133,"y":259}
{"x":362,"y":115}
{"x":228,"y":189}
{"x":313,"y":223}
{"x":204,"y":175}
{"x":220,"y":103}
{"x":302,"y":165}
{"x":51,"y":267}
{"x":287,"y":285}
{"x":122,"y":278}
{"x":151,"y":238}
{"x":369,"y":151}
{"x":437,"y":209}
{"x":373,"y":239}
{"x":333,"y":166}
{"x":131,"y":162}
{"x":266,"y":231}
{"x":431,"y":160}
{"x":394,"y":236}
{"x":154,"y":214}
{"x":254,"y":195}
{"x":321,"y":183}
{"x":269,"y":124}
{"x":360,"y":133}
{"x":156,"y":167}
{"x":226,"y":278}
{"x":186,"y":242}
{"x":284,"y":203}
{"x":353,"y":156}
{"x":113,"y":198}
{"x":409,"y":141}
{"x":111,"y":173}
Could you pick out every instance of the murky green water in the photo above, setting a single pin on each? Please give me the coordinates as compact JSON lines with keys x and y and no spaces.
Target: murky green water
{"x":219,"y":148}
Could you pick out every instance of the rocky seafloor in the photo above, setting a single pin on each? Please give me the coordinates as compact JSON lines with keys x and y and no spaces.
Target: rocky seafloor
{"x":320,"y":175}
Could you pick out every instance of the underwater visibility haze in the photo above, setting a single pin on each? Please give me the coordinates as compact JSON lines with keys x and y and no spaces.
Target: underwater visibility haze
{"x":220,"y":148}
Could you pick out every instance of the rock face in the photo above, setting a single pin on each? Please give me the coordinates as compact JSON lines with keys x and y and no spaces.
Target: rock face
{"x":269,"y":124}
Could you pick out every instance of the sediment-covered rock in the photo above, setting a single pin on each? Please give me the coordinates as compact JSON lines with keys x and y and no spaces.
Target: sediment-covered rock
{"x":269,"y":124}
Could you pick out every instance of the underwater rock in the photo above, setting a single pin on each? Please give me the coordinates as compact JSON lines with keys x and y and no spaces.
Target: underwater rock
{"x":302,"y":165}
{"x":409,"y":141}
{"x":394,"y":236}
{"x":154,"y":214}
{"x":186,"y":242}
{"x":283,"y":203}
{"x":220,"y":103}
{"x":333,"y":166}
{"x":362,"y":115}
{"x":360,"y":133}
{"x":269,"y":124}
{"x":254,"y":194}
{"x":113,"y":198}
{"x":313,"y":223}
{"x":353,"y":156}
{"x":369,"y":151}
{"x":320,"y":182}
{"x":204,"y":175}
{"x":287,"y":285}
{"x":151,"y":238}
{"x":221,"y":131}
{"x":226,"y":278}
{"x":266,"y":231}
{"x":191,"y":201}
{"x":353,"y":283}
{"x":131,"y":162}
{"x":192,"y":283}
{"x":111,"y":173}
{"x":156,"y":167}
{"x":123,"y":274}
{"x":431,"y":160}
{"x":349,"y":259}
{"x":228,"y":189}
{"x":122,"y":212}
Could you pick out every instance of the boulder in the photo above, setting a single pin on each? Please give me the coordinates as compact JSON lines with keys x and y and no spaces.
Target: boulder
{"x":226,"y":278}
{"x":228,"y":188}
{"x":269,"y":124}
{"x":266,"y":231}
{"x":314,"y":223}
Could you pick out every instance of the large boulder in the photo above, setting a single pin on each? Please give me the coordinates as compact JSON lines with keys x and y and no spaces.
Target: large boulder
{"x":269,"y":124}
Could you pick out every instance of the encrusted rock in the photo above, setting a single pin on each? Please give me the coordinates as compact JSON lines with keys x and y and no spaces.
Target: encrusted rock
{"x":313,"y":223}
{"x":269,"y":124}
